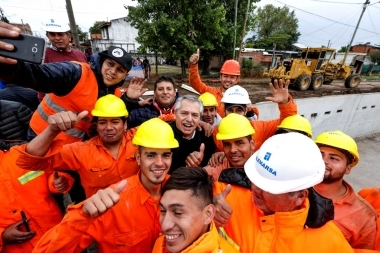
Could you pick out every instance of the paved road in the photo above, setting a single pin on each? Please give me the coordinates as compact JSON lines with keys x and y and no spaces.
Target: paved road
{"x":367,"y":172}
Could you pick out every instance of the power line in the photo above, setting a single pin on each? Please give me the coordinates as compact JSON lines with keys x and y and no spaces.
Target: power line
{"x":324,"y":17}
{"x":370,"y":18}
{"x":334,"y":2}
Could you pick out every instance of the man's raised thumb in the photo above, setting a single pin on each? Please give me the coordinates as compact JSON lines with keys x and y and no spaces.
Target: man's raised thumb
{"x":226,"y":191}
{"x":120,"y":186}
{"x":81,"y":116}
{"x":198,"y":51}
{"x":202,"y":148}
{"x":56,"y":175}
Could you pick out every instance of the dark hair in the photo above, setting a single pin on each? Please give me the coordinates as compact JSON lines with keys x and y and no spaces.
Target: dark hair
{"x":163,"y":79}
{"x":195,"y":179}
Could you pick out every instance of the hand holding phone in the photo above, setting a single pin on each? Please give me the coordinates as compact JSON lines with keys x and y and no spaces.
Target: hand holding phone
{"x":9,"y":31}
{"x":25,"y":221}
{"x":25,"y":48}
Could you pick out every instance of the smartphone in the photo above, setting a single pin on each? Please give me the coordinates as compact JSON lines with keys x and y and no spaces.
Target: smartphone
{"x":25,"y":221}
{"x":27,"y":48}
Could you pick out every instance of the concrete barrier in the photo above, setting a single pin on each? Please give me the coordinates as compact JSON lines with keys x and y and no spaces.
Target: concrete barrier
{"x":357,"y":115}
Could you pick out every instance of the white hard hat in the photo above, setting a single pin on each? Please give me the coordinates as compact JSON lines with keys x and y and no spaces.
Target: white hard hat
{"x":236,"y":95}
{"x":286,"y":163}
{"x":55,"y":25}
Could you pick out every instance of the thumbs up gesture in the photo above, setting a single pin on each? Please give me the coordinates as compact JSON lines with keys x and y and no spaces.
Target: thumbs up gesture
{"x":65,"y":120}
{"x":60,"y":183}
{"x":194,"y":58}
{"x":195,"y":158}
{"x":223,"y":209}
{"x":103,"y":199}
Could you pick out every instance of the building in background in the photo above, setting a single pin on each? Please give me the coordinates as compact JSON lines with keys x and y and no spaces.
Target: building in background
{"x":25,"y":28}
{"x":117,"y":32}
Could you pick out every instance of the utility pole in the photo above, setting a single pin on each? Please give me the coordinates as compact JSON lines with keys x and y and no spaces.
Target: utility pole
{"x":236,"y":7}
{"x":356,"y":28}
{"x":73,"y":26}
{"x":243,"y":32}
{"x":23,"y":27}
{"x":274,"y":56}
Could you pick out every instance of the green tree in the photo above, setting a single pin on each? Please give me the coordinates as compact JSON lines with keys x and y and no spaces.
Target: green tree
{"x":95,"y":27}
{"x":375,"y":56}
{"x":178,"y":28}
{"x":3,"y":17}
{"x":275,"y":25}
{"x":343,"y":49}
{"x":82,"y":35}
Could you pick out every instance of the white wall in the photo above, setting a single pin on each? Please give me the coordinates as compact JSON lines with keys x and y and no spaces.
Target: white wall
{"x":356,"y":115}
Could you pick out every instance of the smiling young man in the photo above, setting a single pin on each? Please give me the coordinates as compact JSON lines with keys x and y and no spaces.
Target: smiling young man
{"x":131,"y":224}
{"x":162,"y":105}
{"x":340,"y":154}
{"x":186,"y":214}
{"x":229,"y":76}
{"x":71,"y":86}
{"x":101,"y":161}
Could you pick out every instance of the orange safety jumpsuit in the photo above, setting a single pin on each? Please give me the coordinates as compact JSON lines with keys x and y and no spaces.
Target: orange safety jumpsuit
{"x":281,"y":232}
{"x":361,"y":233}
{"x":28,"y":191}
{"x":82,"y":97}
{"x":264,"y":128}
{"x":131,"y":226}
{"x":95,"y":164}
{"x":198,"y":85}
{"x":208,"y":242}
{"x":372,"y":196}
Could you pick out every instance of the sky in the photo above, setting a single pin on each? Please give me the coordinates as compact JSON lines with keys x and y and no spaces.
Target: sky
{"x":319,"y":20}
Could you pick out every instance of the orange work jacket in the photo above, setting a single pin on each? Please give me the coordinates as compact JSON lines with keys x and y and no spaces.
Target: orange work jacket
{"x":131,"y":226}
{"x":28,"y":191}
{"x":82,"y":97}
{"x":264,"y":128}
{"x":281,"y":232}
{"x":361,"y":233}
{"x":95,"y":164}
{"x":198,"y":85}
{"x":210,"y":242}
{"x":372,"y":196}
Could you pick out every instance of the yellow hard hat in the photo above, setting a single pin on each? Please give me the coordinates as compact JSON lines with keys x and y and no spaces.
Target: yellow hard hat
{"x":155,"y":133}
{"x":296,"y":123}
{"x":208,"y":99}
{"x":234,"y":126}
{"x":340,"y":140}
{"x":110,"y":106}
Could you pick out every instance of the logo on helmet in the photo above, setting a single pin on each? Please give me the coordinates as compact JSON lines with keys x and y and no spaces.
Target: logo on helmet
{"x":267,"y":156}
{"x":266,"y":167}
{"x":117,"y":52}
{"x":52,"y":20}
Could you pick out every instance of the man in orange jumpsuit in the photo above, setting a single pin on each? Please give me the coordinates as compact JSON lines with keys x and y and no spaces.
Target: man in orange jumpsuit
{"x":372,"y":195}
{"x":186,"y":214}
{"x":283,"y":216}
{"x":229,"y":76}
{"x":28,"y":192}
{"x":101,"y":161}
{"x":340,"y":155}
{"x":132,"y":224}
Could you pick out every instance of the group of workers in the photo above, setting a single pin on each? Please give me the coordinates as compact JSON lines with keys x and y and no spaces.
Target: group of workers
{"x":173,"y":173}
